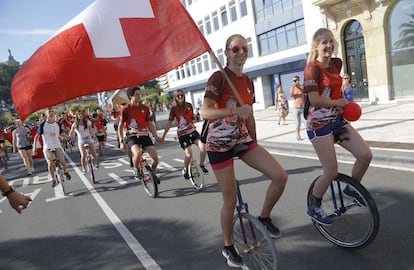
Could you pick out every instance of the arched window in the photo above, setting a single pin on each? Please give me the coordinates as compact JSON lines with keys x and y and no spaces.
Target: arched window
{"x":401,"y":39}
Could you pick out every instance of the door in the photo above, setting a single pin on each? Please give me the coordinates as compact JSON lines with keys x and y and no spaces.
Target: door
{"x":356,"y":64}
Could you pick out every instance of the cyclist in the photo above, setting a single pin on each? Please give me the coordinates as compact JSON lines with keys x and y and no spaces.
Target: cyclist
{"x":231,"y":133}
{"x":187,"y":134}
{"x":85,"y":134}
{"x":324,"y":118}
{"x":99,"y":126}
{"x":51,"y":135}
{"x":136,"y":119}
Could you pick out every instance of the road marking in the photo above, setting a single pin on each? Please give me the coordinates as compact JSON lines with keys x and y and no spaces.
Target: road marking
{"x":118,"y":179}
{"x":146,"y":260}
{"x":372,"y":164}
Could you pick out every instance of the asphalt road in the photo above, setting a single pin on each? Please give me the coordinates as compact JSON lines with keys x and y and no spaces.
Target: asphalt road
{"x":115,"y":225}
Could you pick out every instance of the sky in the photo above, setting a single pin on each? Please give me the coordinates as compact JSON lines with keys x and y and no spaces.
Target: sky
{"x":25,"y":25}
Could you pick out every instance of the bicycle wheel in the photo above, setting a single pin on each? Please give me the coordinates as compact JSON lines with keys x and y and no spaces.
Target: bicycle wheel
{"x":259,"y":251}
{"x":149,"y":181}
{"x":90,"y":167}
{"x":60,"y":178}
{"x":196,"y":175}
{"x":355,"y":225}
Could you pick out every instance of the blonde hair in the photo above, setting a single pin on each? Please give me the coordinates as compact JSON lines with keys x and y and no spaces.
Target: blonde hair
{"x":313,"y":54}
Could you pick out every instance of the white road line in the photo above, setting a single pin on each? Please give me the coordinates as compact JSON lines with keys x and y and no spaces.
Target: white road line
{"x":142,"y":255}
{"x":372,"y":164}
{"x":118,"y":179}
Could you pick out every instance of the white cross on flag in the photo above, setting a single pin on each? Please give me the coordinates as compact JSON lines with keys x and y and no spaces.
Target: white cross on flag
{"x":110,"y":45}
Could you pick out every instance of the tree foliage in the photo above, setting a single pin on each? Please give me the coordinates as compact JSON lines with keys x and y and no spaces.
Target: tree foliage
{"x":7,"y":73}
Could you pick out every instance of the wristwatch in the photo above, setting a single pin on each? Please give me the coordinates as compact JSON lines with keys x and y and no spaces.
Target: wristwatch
{"x":8,"y":192}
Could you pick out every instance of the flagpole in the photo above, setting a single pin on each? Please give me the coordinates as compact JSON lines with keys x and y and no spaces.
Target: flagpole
{"x":233,"y":88}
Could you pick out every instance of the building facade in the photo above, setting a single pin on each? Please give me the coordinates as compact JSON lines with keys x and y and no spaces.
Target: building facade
{"x":375,"y":40}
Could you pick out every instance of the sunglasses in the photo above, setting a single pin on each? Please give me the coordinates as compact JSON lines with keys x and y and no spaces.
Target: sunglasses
{"x":295,"y":80}
{"x":237,"y":48}
{"x":346,"y":78}
{"x":180,"y":96}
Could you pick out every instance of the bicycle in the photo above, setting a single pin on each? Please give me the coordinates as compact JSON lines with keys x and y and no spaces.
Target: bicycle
{"x":356,"y":219}
{"x":60,"y":178}
{"x":196,"y":174}
{"x":89,"y":163}
{"x":149,"y":180}
{"x":251,"y":238}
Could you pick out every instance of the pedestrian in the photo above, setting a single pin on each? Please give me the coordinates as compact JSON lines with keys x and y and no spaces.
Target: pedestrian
{"x":232,"y":133}
{"x":85,"y":134}
{"x":281,"y":105}
{"x":347,"y":90}
{"x":322,"y":84}
{"x":17,"y":200}
{"x":296,"y":92}
{"x":187,"y":133}
{"x":52,"y":147}
{"x":22,"y":143}
{"x":136,"y":119}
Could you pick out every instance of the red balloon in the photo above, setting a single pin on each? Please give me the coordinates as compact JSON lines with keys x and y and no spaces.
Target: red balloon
{"x":352,"y":111}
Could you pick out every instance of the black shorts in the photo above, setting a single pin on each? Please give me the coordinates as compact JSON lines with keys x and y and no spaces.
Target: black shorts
{"x":101,"y":138}
{"x":142,"y":141}
{"x":219,"y":160}
{"x":189,"y":139}
{"x":29,"y":147}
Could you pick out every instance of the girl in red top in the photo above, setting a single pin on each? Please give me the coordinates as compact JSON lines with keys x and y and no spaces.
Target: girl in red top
{"x":231,"y":133}
{"x":182,"y":112}
{"x":323,"y":84}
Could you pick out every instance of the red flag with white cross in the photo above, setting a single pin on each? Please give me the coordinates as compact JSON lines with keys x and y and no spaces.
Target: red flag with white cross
{"x":109,"y":45}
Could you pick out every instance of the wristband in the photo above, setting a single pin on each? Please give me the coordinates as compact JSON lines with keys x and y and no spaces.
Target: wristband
{"x":8,"y":192}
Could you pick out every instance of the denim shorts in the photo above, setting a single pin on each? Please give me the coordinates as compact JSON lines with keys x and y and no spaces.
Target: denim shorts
{"x":329,"y":129}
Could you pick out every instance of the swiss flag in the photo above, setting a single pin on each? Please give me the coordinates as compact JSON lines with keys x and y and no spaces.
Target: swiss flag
{"x":109,"y":45}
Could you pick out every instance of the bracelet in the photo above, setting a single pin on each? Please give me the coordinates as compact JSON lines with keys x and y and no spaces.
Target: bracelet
{"x":8,"y":192}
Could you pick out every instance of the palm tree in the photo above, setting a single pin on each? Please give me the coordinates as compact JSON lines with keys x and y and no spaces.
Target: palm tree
{"x":406,"y":34}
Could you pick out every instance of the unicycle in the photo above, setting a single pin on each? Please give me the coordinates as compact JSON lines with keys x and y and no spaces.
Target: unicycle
{"x":356,"y":218}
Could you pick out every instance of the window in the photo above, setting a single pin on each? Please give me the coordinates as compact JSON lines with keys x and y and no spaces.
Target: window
{"x":187,"y":69}
{"x":233,"y":11}
{"x":249,"y":42}
{"x":199,"y":66}
{"x":223,"y":13}
{"x":264,"y":46}
{"x":402,"y":50}
{"x":291,"y":35}
{"x":201,"y":27}
{"x":216,"y":24}
{"x":177,"y":73}
{"x":208,"y":24}
{"x":206,"y":63}
{"x":220,"y":57}
{"x":243,"y":8}
{"x":193,"y":67}
{"x":281,"y":39}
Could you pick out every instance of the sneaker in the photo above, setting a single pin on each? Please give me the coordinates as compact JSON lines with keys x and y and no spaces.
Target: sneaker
{"x":319,"y":216}
{"x":67,"y":175}
{"x":53,"y":183}
{"x":349,"y":191}
{"x":203,"y":168}
{"x":97,"y":165}
{"x":270,"y":227}
{"x":232,"y":256}
{"x":83,"y":171}
{"x":185,"y":174}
